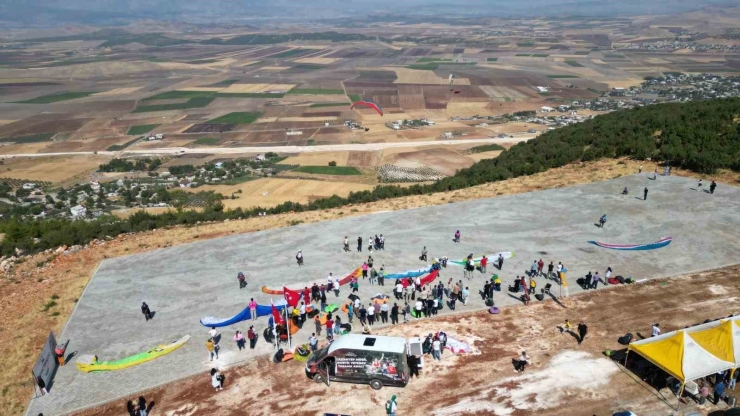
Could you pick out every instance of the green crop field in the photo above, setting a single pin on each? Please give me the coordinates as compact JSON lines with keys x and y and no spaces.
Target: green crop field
{"x":309,"y":67}
{"x":236,"y":118}
{"x":486,"y":148}
{"x":354,"y":97}
{"x":119,"y":147}
{"x":196,"y":102}
{"x":492,"y":59}
{"x":53,"y":98}
{"x":523,"y":54}
{"x":224,"y":83}
{"x":540,"y":55}
{"x":328,"y":170}
{"x":289,"y":53}
{"x":202,"y":61}
{"x":562,"y":76}
{"x":141,"y":129}
{"x":205,"y":141}
{"x":315,"y":91}
{"x":614,"y":56}
{"x":525,"y":44}
{"x":174,"y":95}
{"x":33,"y":138}
{"x":318,"y":105}
{"x":583,"y":52}
{"x":431,"y":66}
{"x":573,"y":63}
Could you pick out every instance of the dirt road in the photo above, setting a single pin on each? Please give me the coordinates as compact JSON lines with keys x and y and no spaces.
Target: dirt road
{"x":565,"y":378}
{"x":285,"y":149}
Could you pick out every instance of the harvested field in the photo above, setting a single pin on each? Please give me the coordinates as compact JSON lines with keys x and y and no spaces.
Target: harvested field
{"x":268,"y":192}
{"x":54,"y":169}
{"x":502,"y":93}
{"x":273,"y":68}
{"x":256,"y":88}
{"x":117,"y":91}
{"x":445,"y":161}
{"x":319,"y":61}
{"x":362,"y":159}
{"x":414,"y":76}
{"x":398,"y":174}
{"x":36,"y":126}
{"x":318,"y":159}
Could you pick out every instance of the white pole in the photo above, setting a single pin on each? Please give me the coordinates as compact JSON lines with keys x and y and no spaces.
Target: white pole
{"x":287,"y":327}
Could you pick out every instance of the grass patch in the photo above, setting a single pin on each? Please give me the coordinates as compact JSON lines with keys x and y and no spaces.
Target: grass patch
{"x":141,"y":129}
{"x":562,"y":76}
{"x":523,"y":54}
{"x":573,"y":63}
{"x":236,"y":118}
{"x":196,"y":102}
{"x":53,"y":98}
{"x":328,"y":170}
{"x":248,"y":95}
{"x":315,"y":91}
{"x":544,"y":94}
{"x":289,"y":53}
{"x":48,"y":305}
{"x":486,"y":148}
{"x":205,"y":141}
{"x":224,"y":83}
{"x":33,"y":138}
{"x":491,"y":59}
{"x":309,"y":142}
{"x":525,"y":44}
{"x":119,"y":147}
{"x":431,"y":66}
{"x":582,"y":52}
{"x":309,"y":67}
{"x":540,"y":55}
{"x":239,"y":179}
{"x":354,"y":97}
{"x":614,"y":56}
{"x":202,"y":61}
{"x":318,"y":105}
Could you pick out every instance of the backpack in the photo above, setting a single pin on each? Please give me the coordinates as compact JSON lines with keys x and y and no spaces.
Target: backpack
{"x":278,"y":356}
{"x":625,"y":339}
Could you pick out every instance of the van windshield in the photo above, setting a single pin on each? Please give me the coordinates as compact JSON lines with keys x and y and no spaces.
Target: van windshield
{"x":320,"y":354}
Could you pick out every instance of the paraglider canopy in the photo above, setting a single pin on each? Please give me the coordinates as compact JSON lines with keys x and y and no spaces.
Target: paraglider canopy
{"x":368,"y":104}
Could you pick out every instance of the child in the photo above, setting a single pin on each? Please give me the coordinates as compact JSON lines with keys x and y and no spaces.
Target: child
{"x":532,"y":285}
{"x":566,"y":327}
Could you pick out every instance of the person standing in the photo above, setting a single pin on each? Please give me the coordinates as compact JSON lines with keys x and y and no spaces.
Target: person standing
{"x":589,"y":277}
{"x":338,"y":325}
{"x":423,"y":256}
{"x":302,"y":309}
{"x":252,"y":337}
{"x":465,"y":295}
{"x":483,"y":264}
{"x":640,"y":170}
{"x":146,"y":311}
{"x":457,"y":236}
{"x":329,"y":328}
{"x":253,"y":309}
{"x":582,"y":331}
{"x":313,"y":342}
{"x":418,"y":307}
{"x":371,"y":314}
{"x":550,"y":268}
{"x":384,"y":313}
{"x":299,"y":258}
{"x":394,"y":314}
{"x":323,"y":300}
{"x":216,"y":379}
{"x":239,"y":339}
{"x":596,"y":280}
{"x":317,"y":323}
{"x":540,"y":266}
{"x":382,"y":242}
{"x":602,"y":221}
{"x":363,"y":315}
{"x":522,"y":362}
{"x":436,"y":349}
{"x":391,"y":407}
{"x":644,"y":194}
{"x":242,"y":280}
{"x":719,"y":391}
{"x":381,"y":276}
{"x":413,"y":362}
{"x":406,"y":312}
{"x":698,"y":185}
{"x":364,"y":270}
{"x":42,"y":385}
{"x":346,"y":244}
{"x":359,"y":244}
{"x":350,"y":311}
{"x":211,"y":347}
{"x":500,"y":261}
{"x":712,"y":187}
{"x":336,"y":286}
{"x":655,"y":174}
{"x":655,"y":331}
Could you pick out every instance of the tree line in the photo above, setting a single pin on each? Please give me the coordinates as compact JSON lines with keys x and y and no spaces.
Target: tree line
{"x":701,"y":136}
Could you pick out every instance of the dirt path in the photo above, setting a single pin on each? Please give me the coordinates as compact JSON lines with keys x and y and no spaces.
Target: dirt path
{"x":565,"y":378}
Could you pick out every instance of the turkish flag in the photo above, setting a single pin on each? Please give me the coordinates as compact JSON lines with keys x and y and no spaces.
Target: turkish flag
{"x":276,"y":316}
{"x":291,"y":296}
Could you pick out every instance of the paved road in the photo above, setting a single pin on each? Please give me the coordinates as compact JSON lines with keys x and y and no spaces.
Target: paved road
{"x":284,"y":149}
{"x":187,"y":282}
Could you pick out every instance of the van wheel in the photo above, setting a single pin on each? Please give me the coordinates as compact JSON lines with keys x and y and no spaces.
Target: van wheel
{"x":317,"y":378}
{"x":376,"y":384}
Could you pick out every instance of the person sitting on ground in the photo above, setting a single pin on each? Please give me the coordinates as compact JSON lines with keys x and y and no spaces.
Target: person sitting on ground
{"x":625,"y":191}
{"x":366,"y":330}
{"x":522,"y":362}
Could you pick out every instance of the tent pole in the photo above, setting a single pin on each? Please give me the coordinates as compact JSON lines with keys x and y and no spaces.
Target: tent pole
{"x":680,"y":393}
{"x":625,"y":357}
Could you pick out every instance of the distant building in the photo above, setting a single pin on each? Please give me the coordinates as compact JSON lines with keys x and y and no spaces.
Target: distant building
{"x":78,"y":211}
{"x":546,"y":109}
{"x":541,"y":89}
{"x":29,"y":185}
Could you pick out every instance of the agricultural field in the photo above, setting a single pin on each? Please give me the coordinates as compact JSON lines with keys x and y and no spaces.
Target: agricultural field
{"x":236,"y":118}
{"x":141,"y":129}
{"x":328,"y":170}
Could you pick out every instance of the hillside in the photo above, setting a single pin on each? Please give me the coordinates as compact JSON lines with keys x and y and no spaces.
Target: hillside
{"x":701,"y":136}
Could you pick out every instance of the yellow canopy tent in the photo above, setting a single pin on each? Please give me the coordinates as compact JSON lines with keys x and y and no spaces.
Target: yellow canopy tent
{"x":682,"y":356}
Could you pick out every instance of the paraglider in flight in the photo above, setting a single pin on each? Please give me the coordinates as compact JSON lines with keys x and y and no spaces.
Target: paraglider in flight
{"x":368,"y":104}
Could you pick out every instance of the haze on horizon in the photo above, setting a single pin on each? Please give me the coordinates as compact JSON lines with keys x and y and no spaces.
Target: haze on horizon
{"x":20,"y":13}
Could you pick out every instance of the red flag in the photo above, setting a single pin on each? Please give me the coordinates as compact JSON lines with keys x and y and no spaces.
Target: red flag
{"x":276,"y":316}
{"x":291,"y":296}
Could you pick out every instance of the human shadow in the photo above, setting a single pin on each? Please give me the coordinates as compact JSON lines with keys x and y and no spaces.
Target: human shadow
{"x":597,"y":225}
{"x":556,"y":300}
{"x":151,"y":314}
{"x":70,"y":356}
{"x":149,"y":407}
{"x":639,"y":335}
{"x":519,"y":298}
{"x":707,"y":191}
{"x":639,"y":199}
